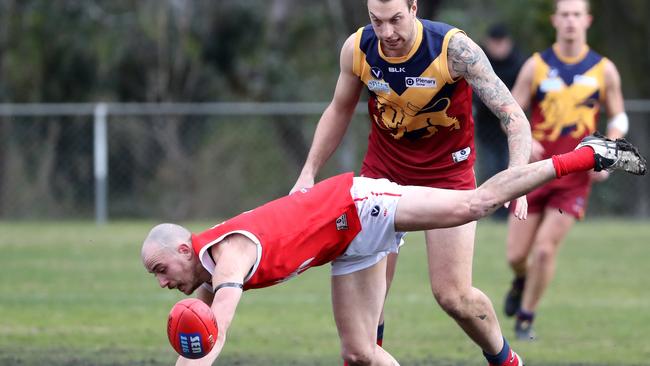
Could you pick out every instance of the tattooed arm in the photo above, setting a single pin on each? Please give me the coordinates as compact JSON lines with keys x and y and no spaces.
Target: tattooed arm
{"x":467,"y":60}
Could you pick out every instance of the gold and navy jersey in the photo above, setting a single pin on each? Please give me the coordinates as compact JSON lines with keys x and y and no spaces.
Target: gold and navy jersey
{"x":422,"y":126}
{"x":567,"y":94}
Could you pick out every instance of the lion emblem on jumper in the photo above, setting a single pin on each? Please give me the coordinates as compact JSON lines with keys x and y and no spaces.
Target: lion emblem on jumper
{"x":564,"y":112}
{"x":412,"y":122}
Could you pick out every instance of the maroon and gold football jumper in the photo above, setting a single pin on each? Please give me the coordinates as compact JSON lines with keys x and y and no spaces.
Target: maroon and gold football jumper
{"x":422,"y":128}
{"x":567,"y":95}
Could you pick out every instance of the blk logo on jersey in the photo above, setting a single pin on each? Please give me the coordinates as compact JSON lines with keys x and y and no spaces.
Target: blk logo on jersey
{"x":396,"y":69}
{"x":375,"y":211}
{"x":342,"y":222}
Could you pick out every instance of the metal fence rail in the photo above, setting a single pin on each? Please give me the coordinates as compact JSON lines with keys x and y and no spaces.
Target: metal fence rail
{"x":193,"y":160}
{"x":216,"y":108}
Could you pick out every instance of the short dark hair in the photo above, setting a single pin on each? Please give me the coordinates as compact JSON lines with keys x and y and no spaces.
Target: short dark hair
{"x":498,"y":31}
{"x":408,"y":2}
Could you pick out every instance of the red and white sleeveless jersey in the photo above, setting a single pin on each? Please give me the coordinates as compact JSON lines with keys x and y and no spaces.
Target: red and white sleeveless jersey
{"x":293,"y":233}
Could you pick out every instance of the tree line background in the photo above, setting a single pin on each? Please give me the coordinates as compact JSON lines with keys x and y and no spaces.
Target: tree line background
{"x":205,"y":51}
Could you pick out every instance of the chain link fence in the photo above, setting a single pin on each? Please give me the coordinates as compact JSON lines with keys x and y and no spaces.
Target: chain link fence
{"x":169,"y":162}
{"x":198,"y":161}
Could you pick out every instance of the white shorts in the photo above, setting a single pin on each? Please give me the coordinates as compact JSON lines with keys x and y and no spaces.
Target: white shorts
{"x":376,"y":201}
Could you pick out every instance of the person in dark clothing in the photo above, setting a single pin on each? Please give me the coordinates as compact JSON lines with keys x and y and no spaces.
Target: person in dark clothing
{"x":506,"y":60}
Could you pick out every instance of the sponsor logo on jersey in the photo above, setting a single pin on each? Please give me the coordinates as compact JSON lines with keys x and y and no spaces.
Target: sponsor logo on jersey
{"x":191,"y":343}
{"x":585,"y":80}
{"x":551,"y":84}
{"x":396,"y":69}
{"x":461,"y":155}
{"x":379,"y":86}
{"x":376,"y":73}
{"x":420,"y":82}
{"x":342,"y":222}
{"x":553,"y":81}
{"x":375,"y":211}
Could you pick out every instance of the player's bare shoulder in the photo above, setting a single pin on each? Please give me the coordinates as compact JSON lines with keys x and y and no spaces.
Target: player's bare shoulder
{"x":347,"y":52}
{"x":467,"y":60}
{"x":612,"y":76}
{"x":528,"y":66}
{"x":349,"y":43}
{"x":238,"y":243}
{"x":464,"y":57}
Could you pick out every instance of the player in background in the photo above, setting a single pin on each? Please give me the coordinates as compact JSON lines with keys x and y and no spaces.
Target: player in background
{"x":565,"y":87}
{"x":362,"y":222}
{"x":420,"y":75}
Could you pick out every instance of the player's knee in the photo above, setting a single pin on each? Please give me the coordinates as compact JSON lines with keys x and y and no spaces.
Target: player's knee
{"x":516,"y":258}
{"x":543,"y":253}
{"x":452,"y":303}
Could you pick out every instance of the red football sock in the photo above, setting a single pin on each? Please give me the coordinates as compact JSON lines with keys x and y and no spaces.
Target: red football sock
{"x":579,"y":160}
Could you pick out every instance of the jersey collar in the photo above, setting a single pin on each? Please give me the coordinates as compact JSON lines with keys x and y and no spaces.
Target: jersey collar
{"x":568,"y":59}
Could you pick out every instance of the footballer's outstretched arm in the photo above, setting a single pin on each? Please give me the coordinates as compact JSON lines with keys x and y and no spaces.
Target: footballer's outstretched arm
{"x":234,"y":257}
{"x":335,"y":119}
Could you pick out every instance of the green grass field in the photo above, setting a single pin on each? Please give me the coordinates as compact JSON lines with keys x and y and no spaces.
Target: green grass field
{"x":76,"y":294}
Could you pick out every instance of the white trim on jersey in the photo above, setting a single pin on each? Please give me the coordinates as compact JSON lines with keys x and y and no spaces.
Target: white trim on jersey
{"x":208,"y":263}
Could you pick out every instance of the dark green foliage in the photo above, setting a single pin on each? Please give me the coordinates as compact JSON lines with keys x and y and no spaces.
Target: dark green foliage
{"x":206,"y":51}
